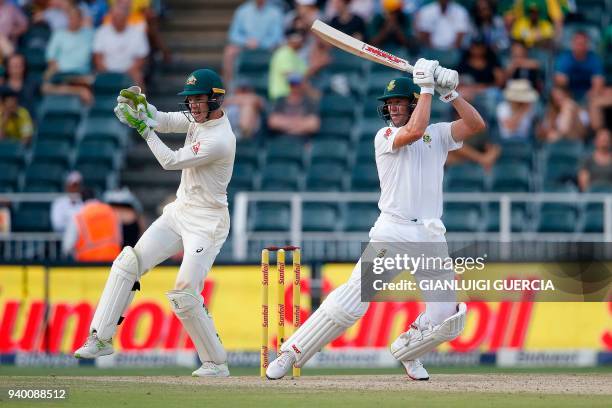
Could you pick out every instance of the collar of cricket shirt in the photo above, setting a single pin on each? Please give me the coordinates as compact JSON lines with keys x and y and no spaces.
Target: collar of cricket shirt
{"x":214,"y":122}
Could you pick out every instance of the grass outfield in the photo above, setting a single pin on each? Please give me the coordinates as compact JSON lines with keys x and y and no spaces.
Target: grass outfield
{"x":449,"y":387}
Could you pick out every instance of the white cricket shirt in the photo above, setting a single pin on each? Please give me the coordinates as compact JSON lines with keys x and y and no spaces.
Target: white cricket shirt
{"x":207,"y":158}
{"x":411,"y":176}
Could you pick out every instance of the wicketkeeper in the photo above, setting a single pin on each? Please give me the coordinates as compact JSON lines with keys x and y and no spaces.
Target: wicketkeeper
{"x":197,"y":222}
{"x":410,"y":157}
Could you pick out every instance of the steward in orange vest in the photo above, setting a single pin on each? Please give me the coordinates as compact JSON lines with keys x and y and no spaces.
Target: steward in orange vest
{"x":99,"y":233}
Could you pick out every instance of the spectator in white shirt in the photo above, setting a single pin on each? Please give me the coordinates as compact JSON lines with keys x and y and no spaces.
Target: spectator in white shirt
{"x":65,"y":207}
{"x":442,"y":25}
{"x":119,"y":47}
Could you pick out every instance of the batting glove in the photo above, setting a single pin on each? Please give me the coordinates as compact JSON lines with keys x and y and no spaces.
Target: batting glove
{"x":423,"y":75}
{"x":446,"y":83}
{"x":136,"y":119}
{"x":133,"y":97}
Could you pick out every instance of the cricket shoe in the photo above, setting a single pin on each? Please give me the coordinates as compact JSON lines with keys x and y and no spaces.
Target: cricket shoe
{"x":281,"y":366}
{"x":415,"y":370}
{"x":95,"y":347}
{"x":210,"y":369}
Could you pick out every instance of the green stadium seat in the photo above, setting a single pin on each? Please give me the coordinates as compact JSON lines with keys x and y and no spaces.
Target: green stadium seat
{"x":35,"y":60}
{"x":561,"y":171}
{"x":103,"y":106}
{"x":601,"y":187}
{"x":247,"y":152}
{"x":564,"y":150}
{"x":329,"y":151}
{"x":255,"y":61}
{"x":271,"y":217}
{"x":95,"y":175}
{"x":325,"y":177}
{"x":370,"y":109}
{"x":93,"y":152}
{"x":280,"y":177}
{"x":557,"y":221}
{"x":11,"y":152}
{"x":57,"y":130}
{"x":512,"y":153}
{"x":332,"y":128}
{"x":110,"y":83}
{"x":61,"y":105}
{"x":44,"y":177}
{"x":593,"y":221}
{"x":518,"y":220}
{"x":465,"y":177}
{"x":456,"y":220}
{"x":31,"y":220}
{"x":447,"y":58}
{"x":9,"y":176}
{"x":365,"y":152}
{"x":360,"y":217}
{"x":242,"y":177}
{"x":343,"y":62}
{"x":319,"y":217}
{"x":364,"y":177}
{"x":105,"y":129}
{"x":259,"y":82}
{"x":285,"y":151}
{"x":511,"y":178}
{"x":337,"y":106}
{"x":52,"y":152}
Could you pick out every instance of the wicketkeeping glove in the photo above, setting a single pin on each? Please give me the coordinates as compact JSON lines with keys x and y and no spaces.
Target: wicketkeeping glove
{"x":136,"y":119}
{"x":423,"y":75}
{"x":133,"y":97}
{"x":446,"y":83}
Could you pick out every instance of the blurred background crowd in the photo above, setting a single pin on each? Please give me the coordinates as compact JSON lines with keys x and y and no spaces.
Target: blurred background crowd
{"x":539,"y":71}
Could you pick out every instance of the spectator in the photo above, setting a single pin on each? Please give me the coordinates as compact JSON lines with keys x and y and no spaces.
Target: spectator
{"x":6,"y":49}
{"x":129,"y":211}
{"x":15,"y":76}
{"x":362,"y":8}
{"x":564,"y":118}
{"x":533,"y":30}
{"x":15,"y":120}
{"x":286,"y":60}
{"x":64,"y":208}
{"x":134,"y":9}
{"x":550,"y":10}
{"x":56,"y":14}
{"x":442,"y":25}
{"x":489,"y":27}
{"x":580,"y":69}
{"x":121,"y":48}
{"x":306,"y":12}
{"x":597,"y":168}
{"x":95,"y":10}
{"x":347,"y":22}
{"x":515,"y":116}
{"x":478,"y":149}
{"x":13,"y":23}
{"x":600,"y":110}
{"x":256,"y":24}
{"x":521,"y":66}
{"x":94,"y":233}
{"x":480,"y":70}
{"x":244,"y":109}
{"x":68,"y":59}
{"x":391,"y":29}
{"x":297,"y":114}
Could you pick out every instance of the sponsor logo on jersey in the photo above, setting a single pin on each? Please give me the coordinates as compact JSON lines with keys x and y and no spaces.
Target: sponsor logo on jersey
{"x":195,"y":148}
{"x":388,"y":133}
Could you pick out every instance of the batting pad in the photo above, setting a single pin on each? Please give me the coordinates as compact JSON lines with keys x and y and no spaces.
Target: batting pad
{"x":420,"y":340}
{"x":118,"y":293}
{"x":198,"y":325}
{"x":341,"y":309}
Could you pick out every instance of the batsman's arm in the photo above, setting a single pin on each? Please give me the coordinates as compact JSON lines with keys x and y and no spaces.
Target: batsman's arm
{"x":470,"y":122}
{"x":204,"y":151}
{"x":415,"y":128}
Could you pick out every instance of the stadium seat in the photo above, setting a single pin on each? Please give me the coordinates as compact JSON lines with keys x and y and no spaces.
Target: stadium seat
{"x":52,"y":152}
{"x":456,"y":220}
{"x":110,"y":83}
{"x":94,"y":152}
{"x":337,"y":106}
{"x":280,"y":177}
{"x":368,"y":128}
{"x":332,"y":128}
{"x":31,"y":220}
{"x":447,"y":58}
{"x":259,"y":82}
{"x":44,"y":177}
{"x":254,"y":61}
{"x":57,"y":130}
{"x":271,"y":217}
{"x":365,"y":152}
{"x":103,"y":106}
{"x":557,"y":220}
{"x":35,"y":60}
{"x":343,"y":62}
{"x":561,"y":171}
{"x":512,"y":153}
{"x":242,"y":177}
{"x":564,"y":150}
{"x":11,"y":152}
{"x":370,"y":109}
{"x":285,"y":151}
{"x":593,"y":221}
{"x":518,"y":220}
{"x":61,"y":105}
{"x":329,"y":151}
{"x":9,"y":176}
{"x":364,"y":177}
{"x":319,"y":217}
{"x":377,"y":82}
{"x":511,"y":178}
{"x":247,"y":152}
{"x":106,"y":129}
{"x":360,"y":217}
{"x":325,"y":177}
{"x":95,"y":175}
{"x":465,"y":177}
{"x":601,"y":187}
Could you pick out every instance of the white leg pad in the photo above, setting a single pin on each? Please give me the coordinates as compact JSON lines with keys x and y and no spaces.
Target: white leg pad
{"x":341,"y":309}
{"x":199,"y":325}
{"x":118,"y":292}
{"x":421,"y":339}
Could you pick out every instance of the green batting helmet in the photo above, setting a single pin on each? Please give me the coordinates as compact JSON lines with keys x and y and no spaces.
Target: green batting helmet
{"x":401,"y":87}
{"x":204,"y":82}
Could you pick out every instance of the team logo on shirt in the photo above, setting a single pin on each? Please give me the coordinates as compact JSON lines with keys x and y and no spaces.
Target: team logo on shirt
{"x":195,"y":148}
{"x":427,"y":139}
{"x":388,"y":133}
{"x":191,"y":80}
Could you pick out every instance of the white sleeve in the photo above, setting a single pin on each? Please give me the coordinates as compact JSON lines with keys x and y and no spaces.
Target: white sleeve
{"x":383,"y":142}
{"x":141,"y":44}
{"x":70,"y":237}
{"x":171,"y":122}
{"x":443,"y":132}
{"x":56,"y":216}
{"x":203,"y":151}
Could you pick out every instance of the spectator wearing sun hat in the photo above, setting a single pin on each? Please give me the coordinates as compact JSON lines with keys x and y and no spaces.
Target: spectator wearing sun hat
{"x":515,"y":116}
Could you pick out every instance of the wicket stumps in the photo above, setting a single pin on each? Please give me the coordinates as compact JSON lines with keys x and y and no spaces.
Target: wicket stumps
{"x":280,"y":293}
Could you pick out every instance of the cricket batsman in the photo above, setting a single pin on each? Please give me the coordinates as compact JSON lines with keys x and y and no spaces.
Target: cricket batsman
{"x":410,"y":157}
{"x":197,"y":222}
